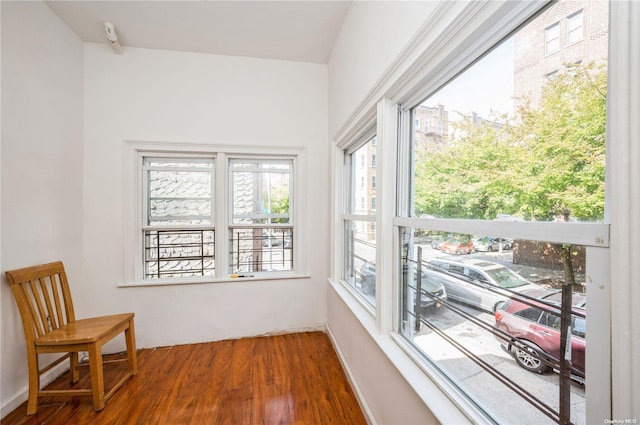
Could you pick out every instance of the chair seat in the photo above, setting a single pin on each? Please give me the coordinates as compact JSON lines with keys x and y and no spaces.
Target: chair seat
{"x":85,"y":331}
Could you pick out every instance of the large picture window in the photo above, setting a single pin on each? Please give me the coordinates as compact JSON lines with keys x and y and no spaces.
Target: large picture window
{"x":502,"y":223}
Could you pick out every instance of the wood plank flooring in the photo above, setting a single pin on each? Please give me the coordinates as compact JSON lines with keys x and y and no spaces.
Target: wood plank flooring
{"x":284,"y":379}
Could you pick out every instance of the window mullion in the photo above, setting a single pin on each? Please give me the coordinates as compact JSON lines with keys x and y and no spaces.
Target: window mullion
{"x":222,"y":207}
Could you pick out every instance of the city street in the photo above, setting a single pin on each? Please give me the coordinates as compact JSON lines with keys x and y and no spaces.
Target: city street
{"x":501,"y":401}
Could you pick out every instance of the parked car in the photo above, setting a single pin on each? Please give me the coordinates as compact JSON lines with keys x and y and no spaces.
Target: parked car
{"x":270,"y":239}
{"x":537,"y":325}
{"x":457,"y":247}
{"x":366,"y":275}
{"x":475,"y":280}
{"x":431,"y":282}
{"x":437,"y":243}
{"x":489,"y":244}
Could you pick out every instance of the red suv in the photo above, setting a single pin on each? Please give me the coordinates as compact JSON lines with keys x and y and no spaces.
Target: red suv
{"x":538,"y":326}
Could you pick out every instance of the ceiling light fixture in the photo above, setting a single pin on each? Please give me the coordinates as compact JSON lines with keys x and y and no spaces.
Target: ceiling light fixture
{"x":112,"y":37}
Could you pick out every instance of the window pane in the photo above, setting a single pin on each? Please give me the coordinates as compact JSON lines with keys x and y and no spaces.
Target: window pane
{"x":360,"y":270}
{"x":179,"y":253}
{"x":179,"y":192}
{"x":476,"y":311}
{"x":574,"y":27}
{"x":517,"y":142}
{"x":261,"y":191}
{"x":261,"y":249}
{"x":552,"y":37}
{"x":360,"y":235}
{"x":363,"y":170}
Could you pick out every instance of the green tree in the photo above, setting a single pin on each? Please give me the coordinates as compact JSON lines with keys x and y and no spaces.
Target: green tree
{"x":547,"y":161}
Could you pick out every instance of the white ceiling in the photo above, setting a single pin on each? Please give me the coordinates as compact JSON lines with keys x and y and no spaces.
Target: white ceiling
{"x":296,"y":30}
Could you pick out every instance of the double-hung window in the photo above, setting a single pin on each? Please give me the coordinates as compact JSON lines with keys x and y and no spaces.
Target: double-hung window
{"x":359,"y":220}
{"x":179,"y":233}
{"x":508,"y":212}
{"x":261,"y":227}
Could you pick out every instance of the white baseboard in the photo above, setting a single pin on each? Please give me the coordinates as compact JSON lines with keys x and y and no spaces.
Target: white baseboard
{"x":22,"y":395}
{"x":368,"y":415}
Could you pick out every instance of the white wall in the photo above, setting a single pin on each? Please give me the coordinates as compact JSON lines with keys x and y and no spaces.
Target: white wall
{"x":373,"y":34}
{"x":155,"y":95}
{"x":41,"y":168}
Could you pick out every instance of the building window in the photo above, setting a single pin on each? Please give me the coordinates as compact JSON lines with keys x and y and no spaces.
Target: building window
{"x":359,"y":226}
{"x":373,"y":182}
{"x":552,"y":38}
{"x":261,"y":226}
{"x":504,"y":249}
{"x":551,"y":75}
{"x":574,"y":27}
{"x":373,"y":161}
{"x":178,"y":225}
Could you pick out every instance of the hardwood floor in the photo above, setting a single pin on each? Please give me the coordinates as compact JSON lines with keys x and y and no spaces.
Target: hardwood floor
{"x":284,"y":379}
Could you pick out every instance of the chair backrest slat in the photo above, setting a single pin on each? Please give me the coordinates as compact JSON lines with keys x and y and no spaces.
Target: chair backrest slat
{"x":41,"y":317}
{"x":43,"y":297}
{"x":56,"y":298}
{"x":66,"y":294}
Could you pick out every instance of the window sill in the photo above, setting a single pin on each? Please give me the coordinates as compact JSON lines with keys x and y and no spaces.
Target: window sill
{"x":250,"y":277}
{"x":439,"y":395}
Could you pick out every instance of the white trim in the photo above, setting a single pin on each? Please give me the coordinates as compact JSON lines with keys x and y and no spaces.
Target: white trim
{"x":623,"y":156}
{"x":134,"y":150}
{"x":22,"y":395}
{"x":587,"y":234}
{"x":362,"y":401}
{"x":386,"y":293}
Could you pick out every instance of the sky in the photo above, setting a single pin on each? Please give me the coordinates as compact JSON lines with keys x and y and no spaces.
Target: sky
{"x":487,"y":85}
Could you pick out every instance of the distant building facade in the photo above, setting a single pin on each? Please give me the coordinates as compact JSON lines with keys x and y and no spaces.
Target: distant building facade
{"x":568,"y":33}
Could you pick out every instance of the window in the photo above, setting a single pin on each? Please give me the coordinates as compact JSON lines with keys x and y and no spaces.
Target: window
{"x":373,"y":160}
{"x":552,"y":38}
{"x":178,"y":229}
{"x":201,"y":213}
{"x":511,"y":174}
{"x":574,"y":27}
{"x":359,"y":225}
{"x":373,"y":182}
{"x":261,"y":225}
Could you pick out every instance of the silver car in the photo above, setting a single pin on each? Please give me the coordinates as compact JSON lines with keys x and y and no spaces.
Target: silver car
{"x":489,"y":244}
{"x":480,"y":284}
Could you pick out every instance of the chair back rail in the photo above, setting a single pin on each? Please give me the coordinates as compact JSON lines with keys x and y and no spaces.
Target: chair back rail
{"x":43,"y":297}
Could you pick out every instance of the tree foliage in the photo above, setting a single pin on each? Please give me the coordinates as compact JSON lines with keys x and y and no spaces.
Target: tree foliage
{"x":550,"y":159}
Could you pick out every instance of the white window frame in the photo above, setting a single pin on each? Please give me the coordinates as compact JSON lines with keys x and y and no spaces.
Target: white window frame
{"x":556,"y":39}
{"x":231,"y":199}
{"x":133,"y":214}
{"x":145,"y":226}
{"x":350,"y":201}
{"x":575,"y":21}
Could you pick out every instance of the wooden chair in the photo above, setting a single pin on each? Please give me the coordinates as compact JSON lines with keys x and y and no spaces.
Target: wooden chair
{"x":45,"y":304}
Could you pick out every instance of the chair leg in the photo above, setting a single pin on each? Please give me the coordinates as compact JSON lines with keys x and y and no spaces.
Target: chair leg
{"x":132,"y":355}
{"x":34,"y":381}
{"x":97,"y":376}
{"x":73,"y":364}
